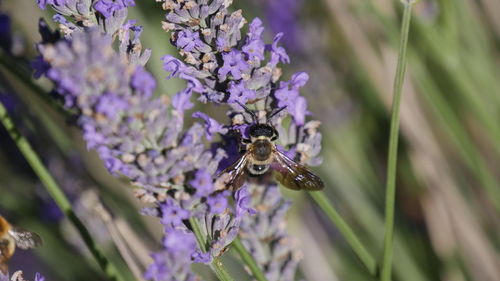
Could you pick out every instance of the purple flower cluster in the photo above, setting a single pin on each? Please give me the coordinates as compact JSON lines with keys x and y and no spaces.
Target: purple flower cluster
{"x":110,"y":94}
{"x":110,"y":98}
{"x":143,"y":138}
{"x":225,"y":66}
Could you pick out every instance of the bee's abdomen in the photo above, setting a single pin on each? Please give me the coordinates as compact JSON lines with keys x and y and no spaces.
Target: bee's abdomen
{"x":257,"y":170}
{"x":262,"y":150}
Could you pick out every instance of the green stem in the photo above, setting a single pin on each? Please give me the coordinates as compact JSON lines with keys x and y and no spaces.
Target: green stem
{"x":351,"y":238}
{"x":248,"y":259}
{"x":393,"y":146}
{"x":58,"y":196}
{"x":216,"y":264}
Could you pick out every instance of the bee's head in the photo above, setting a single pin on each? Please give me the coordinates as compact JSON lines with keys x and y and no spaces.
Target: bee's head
{"x":262,"y":130}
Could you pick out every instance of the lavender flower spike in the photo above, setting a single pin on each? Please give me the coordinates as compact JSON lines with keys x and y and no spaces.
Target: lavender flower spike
{"x":109,"y":99}
{"x":227,"y":66}
{"x":265,"y":235}
{"x":234,"y":68}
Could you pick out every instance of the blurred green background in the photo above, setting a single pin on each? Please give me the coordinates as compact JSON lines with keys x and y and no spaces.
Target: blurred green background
{"x":448,"y":190}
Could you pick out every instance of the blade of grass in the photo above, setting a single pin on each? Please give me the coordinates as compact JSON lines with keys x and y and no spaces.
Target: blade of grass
{"x":216,"y":264}
{"x":248,"y":259}
{"x":393,"y":145}
{"x":55,"y":192}
{"x":365,"y":213}
{"x":461,"y":83}
{"x":351,"y":238}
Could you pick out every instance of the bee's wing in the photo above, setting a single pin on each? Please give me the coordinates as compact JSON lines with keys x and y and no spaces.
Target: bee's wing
{"x":236,"y":173}
{"x":293,"y":175}
{"x":25,"y":239}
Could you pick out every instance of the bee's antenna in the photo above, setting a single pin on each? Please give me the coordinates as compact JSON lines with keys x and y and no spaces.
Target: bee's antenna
{"x":254,"y":117}
{"x":276,"y":112}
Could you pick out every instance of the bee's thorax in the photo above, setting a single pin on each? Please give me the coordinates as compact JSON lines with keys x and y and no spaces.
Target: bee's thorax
{"x":261,"y":150}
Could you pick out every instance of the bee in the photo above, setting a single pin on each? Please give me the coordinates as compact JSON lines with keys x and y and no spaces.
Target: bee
{"x":12,"y":236}
{"x":261,"y":156}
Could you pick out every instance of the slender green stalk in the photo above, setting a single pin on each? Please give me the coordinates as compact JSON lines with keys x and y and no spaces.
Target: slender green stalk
{"x":55,"y":192}
{"x":393,"y":145}
{"x":216,"y":265}
{"x":248,"y":259}
{"x":198,"y":234}
{"x":351,"y":238}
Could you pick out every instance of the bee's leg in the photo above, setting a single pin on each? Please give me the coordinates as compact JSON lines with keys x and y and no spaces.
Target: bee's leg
{"x":243,"y":145}
{"x":276,"y":135}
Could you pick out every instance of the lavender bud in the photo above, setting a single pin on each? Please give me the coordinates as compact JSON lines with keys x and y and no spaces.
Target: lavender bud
{"x":265,"y":236}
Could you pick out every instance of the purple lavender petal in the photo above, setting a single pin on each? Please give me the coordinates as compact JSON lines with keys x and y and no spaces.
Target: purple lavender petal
{"x":203,"y":183}
{"x":239,"y":93}
{"x":143,"y":81}
{"x":172,"y":213}
{"x":39,"y":277}
{"x":278,"y":54}
{"x":298,"y":110}
{"x":172,"y":65}
{"x":211,"y":125}
{"x":218,"y":203}
{"x":243,"y":200}
{"x":199,"y":257}
{"x":39,"y":67}
{"x":111,"y":105}
{"x":182,"y":101}
{"x":43,"y":3}
{"x":188,"y":40}
{"x":254,"y":48}
{"x":234,"y":64}
{"x":108,"y":7}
